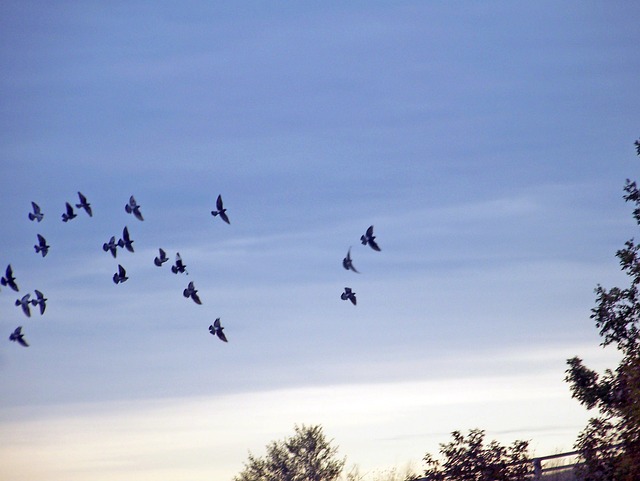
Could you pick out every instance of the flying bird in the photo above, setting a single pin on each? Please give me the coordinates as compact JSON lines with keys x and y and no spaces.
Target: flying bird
{"x":37,"y":213}
{"x":40,"y":301}
{"x":222,"y":212}
{"x":161,"y":258}
{"x":120,"y":276}
{"x":179,"y":266}
{"x":18,"y":337}
{"x":347,"y":263}
{"x":84,"y":204}
{"x":41,"y":246}
{"x":348,"y":294}
{"x":369,"y":238}
{"x":133,"y":208}
{"x":9,"y":280}
{"x":69,"y":214}
{"x":24,"y":302}
{"x":216,"y":330}
{"x":126,"y":241}
{"x":192,"y":292}
{"x":111,"y":246}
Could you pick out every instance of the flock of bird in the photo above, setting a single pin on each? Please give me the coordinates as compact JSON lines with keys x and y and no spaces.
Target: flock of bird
{"x":126,"y":242}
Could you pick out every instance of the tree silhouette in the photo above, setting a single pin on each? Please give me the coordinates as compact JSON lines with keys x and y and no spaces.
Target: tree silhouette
{"x":468,"y":459}
{"x":306,"y":456}
{"x":610,"y":443}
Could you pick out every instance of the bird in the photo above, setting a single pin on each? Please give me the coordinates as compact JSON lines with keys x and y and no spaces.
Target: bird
{"x":37,"y":213}
{"x":69,"y":214}
{"x":9,"y":280}
{"x":126,"y":241}
{"x":24,"y":302}
{"x":369,"y":238}
{"x":17,"y":336}
{"x":40,"y":301}
{"x":216,"y":330}
{"x":120,"y":276}
{"x":348,"y":294}
{"x":179,"y":266}
{"x":161,"y":258}
{"x":84,"y":204}
{"x":347,"y":263}
{"x":111,"y":246}
{"x":222,"y":212}
{"x":133,"y":208}
{"x":192,"y":292}
{"x":41,"y":246}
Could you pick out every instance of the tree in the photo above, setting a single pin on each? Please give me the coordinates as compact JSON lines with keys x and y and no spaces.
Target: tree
{"x":610,"y":443}
{"x":468,"y":459}
{"x":306,"y":456}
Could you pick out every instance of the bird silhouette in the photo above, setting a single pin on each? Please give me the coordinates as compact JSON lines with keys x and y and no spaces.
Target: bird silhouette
{"x":222,"y":212}
{"x":39,"y":301}
{"x":126,"y":241}
{"x":192,"y":292}
{"x":369,"y":238}
{"x":348,"y":294}
{"x":18,"y":337}
{"x":161,"y":258}
{"x":133,"y":208}
{"x":41,"y":246}
{"x":111,"y":246}
{"x":120,"y":276}
{"x":347,"y":263}
{"x":216,"y":330}
{"x":37,"y":213}
{"x":179,"y":266}
{"x":69,"y":214}
{"x":8,"y":279}
{"x":84,"y":204}
{"x":24,"y":302}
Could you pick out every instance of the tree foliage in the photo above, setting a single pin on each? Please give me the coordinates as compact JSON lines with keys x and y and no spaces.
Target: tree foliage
{"x":467,"y":458}
{"x":306,"y":456}
{"x":610,"y":443}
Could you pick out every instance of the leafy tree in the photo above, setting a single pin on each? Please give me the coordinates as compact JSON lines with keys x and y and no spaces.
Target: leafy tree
{"x":306,"y":456}
{"x":468,"y":459}
{"x":610,"y":443}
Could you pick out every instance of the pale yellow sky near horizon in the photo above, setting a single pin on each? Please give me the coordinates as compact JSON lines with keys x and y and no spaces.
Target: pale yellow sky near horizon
{"x":209,"y":437}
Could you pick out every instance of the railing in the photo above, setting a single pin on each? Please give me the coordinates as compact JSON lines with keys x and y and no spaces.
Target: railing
{"x":539,"y":469}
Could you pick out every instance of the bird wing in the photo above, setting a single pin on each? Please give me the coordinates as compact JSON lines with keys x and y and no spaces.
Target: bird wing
{"x":224,"y":217}
{"x":221,"y":335}
{"x":374,"y":245}
{"x":219,"y":202}
{"x":25,"y":305}
{"x":370,"y":231}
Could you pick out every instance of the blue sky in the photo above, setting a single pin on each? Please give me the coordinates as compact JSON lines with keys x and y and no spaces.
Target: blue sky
{"x":488,"y":144}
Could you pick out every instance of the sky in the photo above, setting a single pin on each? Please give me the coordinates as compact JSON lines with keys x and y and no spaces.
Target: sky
{"x":488,"y":144}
